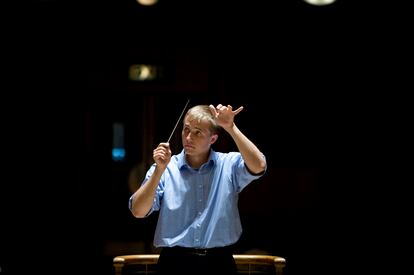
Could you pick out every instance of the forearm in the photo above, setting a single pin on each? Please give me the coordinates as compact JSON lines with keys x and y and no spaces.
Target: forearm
{"x":249,"y":151}
{"x":143,"y":198}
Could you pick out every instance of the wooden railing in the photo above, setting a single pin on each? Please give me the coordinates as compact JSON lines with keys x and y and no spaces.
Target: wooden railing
{"x":246,"y":264}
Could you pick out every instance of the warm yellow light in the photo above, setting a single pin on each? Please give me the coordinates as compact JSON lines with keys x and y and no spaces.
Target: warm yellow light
{"x":147,"y":2}
{"x":142,"y":72}
{"x":319,"y":2}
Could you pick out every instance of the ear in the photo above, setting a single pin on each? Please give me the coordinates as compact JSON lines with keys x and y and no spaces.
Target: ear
{"x":213,"y":138}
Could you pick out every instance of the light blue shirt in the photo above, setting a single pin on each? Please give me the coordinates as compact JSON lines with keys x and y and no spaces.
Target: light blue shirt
{"x":199,"y":207}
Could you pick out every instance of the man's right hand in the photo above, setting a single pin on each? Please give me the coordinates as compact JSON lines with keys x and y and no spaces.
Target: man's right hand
{"x":162,"y":155}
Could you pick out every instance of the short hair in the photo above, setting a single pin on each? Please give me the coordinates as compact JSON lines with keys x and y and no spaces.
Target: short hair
{"x":203,"y":112}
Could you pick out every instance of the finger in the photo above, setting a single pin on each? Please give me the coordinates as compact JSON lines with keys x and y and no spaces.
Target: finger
{"x":238,"y":110}
{"x":164,"y":144}
{"x":213,"y":110}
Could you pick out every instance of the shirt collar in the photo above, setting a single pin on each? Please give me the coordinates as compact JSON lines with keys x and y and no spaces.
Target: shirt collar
{"x":182,"y":161}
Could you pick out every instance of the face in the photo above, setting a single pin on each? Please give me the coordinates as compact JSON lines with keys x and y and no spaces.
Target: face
{"x":196,"y":137}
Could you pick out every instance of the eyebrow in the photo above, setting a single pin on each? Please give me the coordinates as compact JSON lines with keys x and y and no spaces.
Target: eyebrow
{"x":198,"y":128}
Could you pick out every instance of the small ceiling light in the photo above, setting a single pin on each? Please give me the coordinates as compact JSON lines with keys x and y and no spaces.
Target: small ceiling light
{"x":319,"y":2}
{"x":147,"y":2}
{"x":143,"y":72}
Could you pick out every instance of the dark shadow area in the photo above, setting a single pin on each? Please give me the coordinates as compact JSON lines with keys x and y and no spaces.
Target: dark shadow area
{"x":309,"y":82}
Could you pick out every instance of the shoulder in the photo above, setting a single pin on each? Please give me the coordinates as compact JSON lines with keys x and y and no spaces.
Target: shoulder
{"x":230,"y":156}
{"x":176,"y":162}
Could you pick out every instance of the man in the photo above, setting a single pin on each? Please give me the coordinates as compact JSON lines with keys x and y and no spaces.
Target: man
{"x":196,"y":193}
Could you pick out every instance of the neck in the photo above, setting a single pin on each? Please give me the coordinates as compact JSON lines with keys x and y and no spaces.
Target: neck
{"x":196,"y":161}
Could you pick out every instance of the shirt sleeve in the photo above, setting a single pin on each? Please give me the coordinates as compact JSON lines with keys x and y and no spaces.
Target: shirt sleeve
{"x":241,"y":175}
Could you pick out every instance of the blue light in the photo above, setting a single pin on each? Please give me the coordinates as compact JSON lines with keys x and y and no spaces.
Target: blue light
{"x":118,"y":154}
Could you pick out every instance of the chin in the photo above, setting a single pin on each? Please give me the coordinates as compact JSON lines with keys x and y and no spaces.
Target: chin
{"x":189,"y":152}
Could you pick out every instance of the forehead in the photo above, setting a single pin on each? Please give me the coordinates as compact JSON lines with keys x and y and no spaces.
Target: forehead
{"x":196,"y":123}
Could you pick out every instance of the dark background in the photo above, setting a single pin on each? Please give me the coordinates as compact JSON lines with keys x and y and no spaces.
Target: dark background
{"x":308,"y":78}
